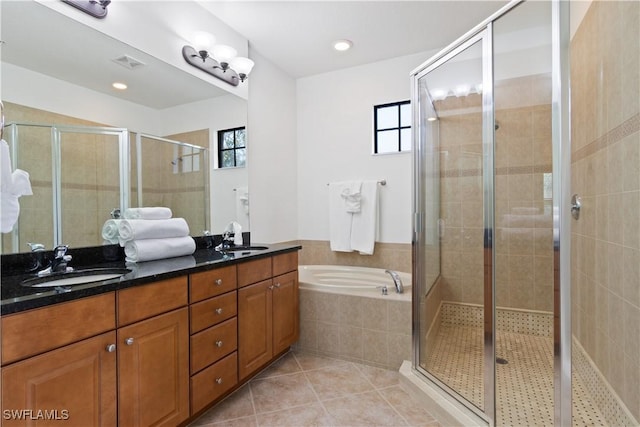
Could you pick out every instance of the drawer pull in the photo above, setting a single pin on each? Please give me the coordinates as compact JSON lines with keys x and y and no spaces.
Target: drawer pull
{"x":218,"y":282}
{"x":218,"y":310}
{"x":218,"y":380}
{"x":111,"y":348}
{"x":128,"y":341}
{"x":218,"y":343}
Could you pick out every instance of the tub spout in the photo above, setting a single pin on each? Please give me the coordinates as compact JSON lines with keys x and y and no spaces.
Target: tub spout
{"x":396,"y":281}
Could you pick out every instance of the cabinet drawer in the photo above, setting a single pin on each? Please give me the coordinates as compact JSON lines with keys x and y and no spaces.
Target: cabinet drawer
{"x":213,"y":382}
{"x":213,"y":311}
{"x":210,"y":283}
{"x":285,"y":263}
{"x":254,"y":271}
{"x":146,"y":301}
{"x":213,"y":343}
{"x":36,"y":331}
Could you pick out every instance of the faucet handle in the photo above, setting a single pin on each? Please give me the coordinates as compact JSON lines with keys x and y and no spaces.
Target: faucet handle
{"x":60,"y":251}
{"x":36,"y":247}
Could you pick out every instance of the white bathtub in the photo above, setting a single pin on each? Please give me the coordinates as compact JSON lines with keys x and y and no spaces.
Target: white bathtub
{"x":357,"y":281}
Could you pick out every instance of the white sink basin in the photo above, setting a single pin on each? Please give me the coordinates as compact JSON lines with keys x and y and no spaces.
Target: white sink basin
{"x":76,"y":277}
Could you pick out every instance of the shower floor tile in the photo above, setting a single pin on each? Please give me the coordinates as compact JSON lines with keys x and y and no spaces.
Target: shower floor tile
{"x":524,"y":382}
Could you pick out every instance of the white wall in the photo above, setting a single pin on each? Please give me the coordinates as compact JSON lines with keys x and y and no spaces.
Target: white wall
{"x":272,"y":153}
{"x":335,"y":143}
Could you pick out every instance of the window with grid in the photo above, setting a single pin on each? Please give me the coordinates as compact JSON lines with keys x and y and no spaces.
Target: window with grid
{"x":392,"y":127}
{"x":232,"y":148}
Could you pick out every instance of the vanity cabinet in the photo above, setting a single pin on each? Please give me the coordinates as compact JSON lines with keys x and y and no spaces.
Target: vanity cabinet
{"x":267,"y":310}
{"x":153,"y":354}
{"x":214,"y":335}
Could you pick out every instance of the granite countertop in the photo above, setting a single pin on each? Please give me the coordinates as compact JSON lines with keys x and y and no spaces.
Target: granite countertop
{"x":16,"y":298}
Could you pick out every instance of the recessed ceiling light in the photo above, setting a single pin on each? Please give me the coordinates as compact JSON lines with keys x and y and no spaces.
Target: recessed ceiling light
{"x":119,"y":86}
{"x":342,"y":45}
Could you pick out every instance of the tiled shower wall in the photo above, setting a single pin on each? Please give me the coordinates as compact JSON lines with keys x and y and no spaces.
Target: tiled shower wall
{"x":523,"y":235}
{"x":605,"y":90}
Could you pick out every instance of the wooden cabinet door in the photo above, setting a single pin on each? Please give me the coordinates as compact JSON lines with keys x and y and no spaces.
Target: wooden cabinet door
{"x":285,"y":311}
{"x":255,"y":346}
{"x":75,"y":384}
{"x":153,"y":371}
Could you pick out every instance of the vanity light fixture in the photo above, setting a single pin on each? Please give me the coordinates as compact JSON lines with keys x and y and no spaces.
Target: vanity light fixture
{"x":95,"y":8}
{"x":222,"y":62}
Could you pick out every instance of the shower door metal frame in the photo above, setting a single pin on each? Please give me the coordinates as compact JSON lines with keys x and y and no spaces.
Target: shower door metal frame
{"x":561,"y":152}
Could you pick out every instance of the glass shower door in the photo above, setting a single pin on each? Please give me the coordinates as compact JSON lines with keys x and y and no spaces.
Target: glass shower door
{"x":454,"y":309}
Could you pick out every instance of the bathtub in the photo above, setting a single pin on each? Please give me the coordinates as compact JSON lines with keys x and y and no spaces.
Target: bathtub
{"x":344,"y":315}
{"x":357,"y":281}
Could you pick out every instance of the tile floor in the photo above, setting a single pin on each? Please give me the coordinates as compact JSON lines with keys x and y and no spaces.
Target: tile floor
{"x":301,"y":389}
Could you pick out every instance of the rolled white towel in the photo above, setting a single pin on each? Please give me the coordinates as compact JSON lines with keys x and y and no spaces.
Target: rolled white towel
{"x":147,"y":213}
{"x":138,"y":229}
{"x":151,"y":268}
{"x":110,"y":230}
{"x":152,"y":249}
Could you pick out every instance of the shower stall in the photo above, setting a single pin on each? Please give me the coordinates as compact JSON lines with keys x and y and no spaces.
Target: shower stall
{"x":495,"y":272}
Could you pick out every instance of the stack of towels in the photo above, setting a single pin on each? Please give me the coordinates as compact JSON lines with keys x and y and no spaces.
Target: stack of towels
{"x":149,"y":233}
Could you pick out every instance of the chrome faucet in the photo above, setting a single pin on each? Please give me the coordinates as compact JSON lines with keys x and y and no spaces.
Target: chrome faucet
{"x":59,"y":262}
{"x":396,"y":281}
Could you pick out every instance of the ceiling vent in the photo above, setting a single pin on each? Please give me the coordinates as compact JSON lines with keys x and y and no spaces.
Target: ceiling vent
{"x":128,"y":62}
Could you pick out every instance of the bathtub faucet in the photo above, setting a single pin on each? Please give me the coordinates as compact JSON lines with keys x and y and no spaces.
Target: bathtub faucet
{"x":396,"y":281}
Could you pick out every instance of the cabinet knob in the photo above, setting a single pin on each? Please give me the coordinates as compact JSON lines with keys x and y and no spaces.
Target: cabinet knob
{"x":218,"y":282}
{"x":111,"y":348}
{"x":218,"y":343}
{"x":271,"y":287}
{"x":218,"y":380}
{"x":128,"y":341}
{"x":277,"y":285}
{"x":218,"y":310}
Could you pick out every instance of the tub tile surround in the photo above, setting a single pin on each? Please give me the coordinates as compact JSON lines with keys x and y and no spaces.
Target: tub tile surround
{"x":606,"y":173}
{"x":302,"y":389}
{"x":395,"y":256}
{"x":371,"y":331}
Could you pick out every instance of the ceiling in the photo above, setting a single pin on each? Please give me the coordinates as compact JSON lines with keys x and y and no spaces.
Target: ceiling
{"x":298,"y":35}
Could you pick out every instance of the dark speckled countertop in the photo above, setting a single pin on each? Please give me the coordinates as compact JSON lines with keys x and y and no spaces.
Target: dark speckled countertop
{"x":16,"y":298}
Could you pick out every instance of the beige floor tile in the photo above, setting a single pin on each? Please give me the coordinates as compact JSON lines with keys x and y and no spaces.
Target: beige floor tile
{"x":336,"y":381}
{"x":302,"y":416}
{"x":287,"y":364}
{"x":238,"y":404}
{"x":309,"y":362}
{"x":281,"y":392}
{"x":379,"y":377}
{"x":408,"y":409}
{"x":364,"y":409}
{"x":238,"y":422}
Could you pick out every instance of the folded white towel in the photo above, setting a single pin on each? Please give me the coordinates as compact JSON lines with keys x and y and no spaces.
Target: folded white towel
{"x":110,"y":231}
{"x":365,"y":223}
{"x":147,"y":213}
{"x":151,"y":268}
{"x":152,"y":249}
{"x":351,"y":195}
{"x":138,"y":229}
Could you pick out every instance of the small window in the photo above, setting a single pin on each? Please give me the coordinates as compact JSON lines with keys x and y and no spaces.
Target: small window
{"x":232,"y":148}
{"x":392,"y":127}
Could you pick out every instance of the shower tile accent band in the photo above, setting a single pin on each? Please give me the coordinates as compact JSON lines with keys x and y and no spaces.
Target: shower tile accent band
{"x":626,"y":128}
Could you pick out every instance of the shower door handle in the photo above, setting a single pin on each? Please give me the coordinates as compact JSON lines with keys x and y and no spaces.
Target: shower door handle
{"x":576,"y":204}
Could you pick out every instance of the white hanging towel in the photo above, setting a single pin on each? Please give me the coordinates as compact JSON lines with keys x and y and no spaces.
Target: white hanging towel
{"x":158,"y":212}
{"x":12,"y":186}
{"x":242,"y":206}
{"x":339,"y":218}
{"x":152,"y":249}
{"x":138,"y":229}
{"x":365,"y":223}
{"x":352,"y":196}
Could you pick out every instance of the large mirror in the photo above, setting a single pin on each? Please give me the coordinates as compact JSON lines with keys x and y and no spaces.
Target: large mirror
{"x":57,"y":72}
